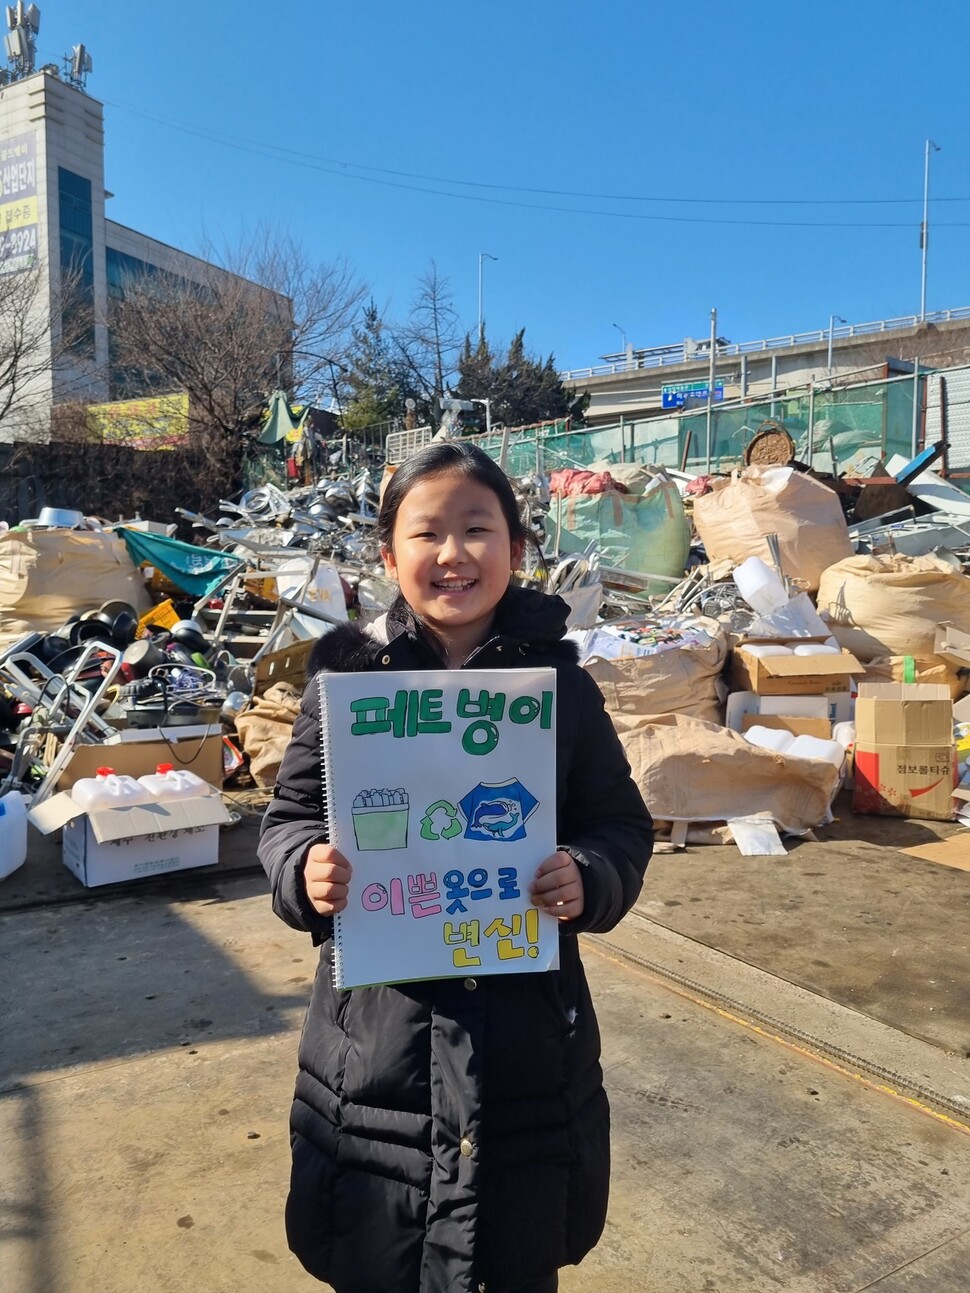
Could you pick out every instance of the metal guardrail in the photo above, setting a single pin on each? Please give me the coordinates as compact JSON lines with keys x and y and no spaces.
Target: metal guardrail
{"x":660,"y":356}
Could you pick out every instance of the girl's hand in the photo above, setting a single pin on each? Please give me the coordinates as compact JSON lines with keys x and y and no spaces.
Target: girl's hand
{"x":558,"y":887}
{"x":326,"y":875}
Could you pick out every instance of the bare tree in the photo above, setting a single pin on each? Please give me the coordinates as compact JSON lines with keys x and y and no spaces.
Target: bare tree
{"x":228,"y":337}
{"x":430,"y":341}
{"x":36,"y":331}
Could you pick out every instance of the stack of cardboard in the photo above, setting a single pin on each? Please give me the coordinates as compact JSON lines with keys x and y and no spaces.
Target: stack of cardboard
{"x":905,"y":758}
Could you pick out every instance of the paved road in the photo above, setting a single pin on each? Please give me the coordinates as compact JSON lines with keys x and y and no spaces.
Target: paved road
{"x":146,"y":1058}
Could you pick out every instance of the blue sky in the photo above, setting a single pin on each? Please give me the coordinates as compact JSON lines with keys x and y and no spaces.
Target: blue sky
{"x":747,"y":132}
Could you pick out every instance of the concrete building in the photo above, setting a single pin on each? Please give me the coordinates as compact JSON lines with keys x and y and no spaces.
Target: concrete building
{"x":54,"y":226}
{"x":636,"y":384}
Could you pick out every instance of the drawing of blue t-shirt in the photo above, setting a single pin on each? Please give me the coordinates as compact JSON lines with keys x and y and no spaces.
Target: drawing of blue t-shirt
{"x":497,"y":812}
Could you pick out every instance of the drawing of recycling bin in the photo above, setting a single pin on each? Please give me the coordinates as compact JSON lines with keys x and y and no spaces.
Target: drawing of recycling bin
{"x":497,"y":811}
{"x":380,"y":820}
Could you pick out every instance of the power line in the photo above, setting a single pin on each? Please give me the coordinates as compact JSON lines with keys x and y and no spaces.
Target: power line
{"x":344,"y":170}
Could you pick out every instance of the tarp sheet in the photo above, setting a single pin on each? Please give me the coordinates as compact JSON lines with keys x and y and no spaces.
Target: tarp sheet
{"x":281,"y":421}
{"x":197,"y":571}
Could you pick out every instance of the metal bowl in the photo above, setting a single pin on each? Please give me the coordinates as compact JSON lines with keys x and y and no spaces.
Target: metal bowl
{"x":60,"y":518}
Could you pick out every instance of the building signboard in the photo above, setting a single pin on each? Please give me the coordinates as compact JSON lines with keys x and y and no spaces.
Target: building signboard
{"x":678,"y":394}
{"x":158,"y":422}
{"x":18,"y":203}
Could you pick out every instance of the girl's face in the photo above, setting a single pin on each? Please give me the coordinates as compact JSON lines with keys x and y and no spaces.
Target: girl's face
{"x":452,"y":555}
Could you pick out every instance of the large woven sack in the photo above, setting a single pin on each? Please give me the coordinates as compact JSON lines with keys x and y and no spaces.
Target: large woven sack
{"x":698,"y":772}
{"x":907,"y":668}
{"x":648,"y":533}
{"x":265,"y":730}
{"x":734,"y":520}
{"x":680,"y":681}
{"x":48,"y":575}
{"x":891,"y":605}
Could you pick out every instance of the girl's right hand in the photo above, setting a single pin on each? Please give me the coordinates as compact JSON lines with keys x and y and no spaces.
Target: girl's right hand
{"x":326,"y":875}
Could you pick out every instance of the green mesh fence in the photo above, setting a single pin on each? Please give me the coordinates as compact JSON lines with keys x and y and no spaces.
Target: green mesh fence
{"x":827,"y":429}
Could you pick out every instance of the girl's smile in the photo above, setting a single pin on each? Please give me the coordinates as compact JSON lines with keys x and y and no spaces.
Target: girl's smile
{"x":451,"y":556}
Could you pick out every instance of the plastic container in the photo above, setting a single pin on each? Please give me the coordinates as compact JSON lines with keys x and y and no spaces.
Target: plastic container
{"x":107,"y":789}
{"x":762,"y":650}
{"x":168,"y":782}
{"x":769,"y":738}
{"x":760,"y":586}
{"x":13,"y":833}
{"x":817,"y":648}
{"x":816,"y":747}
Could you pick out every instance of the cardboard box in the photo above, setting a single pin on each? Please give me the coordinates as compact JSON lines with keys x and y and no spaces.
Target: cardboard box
{"x":904,"y":781}
{"x":110,"y":845}
{"x":742,"y":705}
{"x":903,"y":713}
{"x":793,"y":675}
{"x":820,"y":727}
{"x":288,"y":665}
{"x":139,"y":752}
{"x":904,"y":760}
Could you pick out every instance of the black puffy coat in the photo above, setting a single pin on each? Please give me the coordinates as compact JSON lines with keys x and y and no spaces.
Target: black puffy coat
{"x":454,"y":1132}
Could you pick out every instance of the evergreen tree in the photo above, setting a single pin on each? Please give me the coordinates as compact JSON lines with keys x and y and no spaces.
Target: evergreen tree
{"x":521,"y":388}
{"x":377,"y":380}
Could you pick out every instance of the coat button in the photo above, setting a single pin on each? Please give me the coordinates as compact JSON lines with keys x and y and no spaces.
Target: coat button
{"x":466,"y":1147}
{"x":471,"y":985}
{"x":385,"y":659}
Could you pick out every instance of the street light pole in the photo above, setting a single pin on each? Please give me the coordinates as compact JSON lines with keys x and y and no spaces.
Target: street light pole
{"x":924,"y":233}
{"x":710,"y":391}
{"x":833,"y":320}
{"x":482,"y":257}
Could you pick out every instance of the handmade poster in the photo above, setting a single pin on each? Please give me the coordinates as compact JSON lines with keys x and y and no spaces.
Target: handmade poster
{"x":441,"y":793}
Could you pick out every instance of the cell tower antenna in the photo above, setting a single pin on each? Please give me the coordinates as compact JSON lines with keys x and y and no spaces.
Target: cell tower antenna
{"x":23,"y":24}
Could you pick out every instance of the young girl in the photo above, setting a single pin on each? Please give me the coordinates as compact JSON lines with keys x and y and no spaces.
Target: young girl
{"x":452,"y":1135}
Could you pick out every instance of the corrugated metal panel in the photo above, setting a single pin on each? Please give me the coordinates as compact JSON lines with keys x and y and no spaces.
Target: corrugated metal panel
{"x":950,"y":390}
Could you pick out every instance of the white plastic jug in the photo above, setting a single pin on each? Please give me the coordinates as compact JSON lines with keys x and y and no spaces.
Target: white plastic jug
{"x":108,"y":789}
{"x":13,"y":833}
{"x":760,"y":586}
{"x":169,"y":782}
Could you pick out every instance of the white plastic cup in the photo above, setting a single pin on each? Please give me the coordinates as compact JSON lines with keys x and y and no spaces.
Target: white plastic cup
{"x":760,"y":586}
{"x":13,"y":833}
{"x":844,"y":733}
{"x":168,"y":782}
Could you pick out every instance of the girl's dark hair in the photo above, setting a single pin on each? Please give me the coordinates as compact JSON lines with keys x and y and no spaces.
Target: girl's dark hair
{"x":450,"y":456}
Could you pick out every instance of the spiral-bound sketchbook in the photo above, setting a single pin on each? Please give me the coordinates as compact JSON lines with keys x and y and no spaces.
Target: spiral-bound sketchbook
{"x":440,"y":790}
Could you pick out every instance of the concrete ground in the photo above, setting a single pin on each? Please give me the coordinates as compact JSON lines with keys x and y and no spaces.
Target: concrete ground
{"x":786,"y":1042}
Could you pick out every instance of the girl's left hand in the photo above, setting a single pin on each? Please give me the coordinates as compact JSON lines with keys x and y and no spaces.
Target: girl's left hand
{"x":558,"y":887}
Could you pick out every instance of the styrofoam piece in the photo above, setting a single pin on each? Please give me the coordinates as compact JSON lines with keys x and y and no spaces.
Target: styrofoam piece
{"x":764,"y":650}
{"x":816,"y":648}
{"x":770,"y":738}
{"x":814,"y":747}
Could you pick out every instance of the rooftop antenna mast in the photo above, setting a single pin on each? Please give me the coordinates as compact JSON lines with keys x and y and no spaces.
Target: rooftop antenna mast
{"x":77,"y":65}
{"x":23,"y":24}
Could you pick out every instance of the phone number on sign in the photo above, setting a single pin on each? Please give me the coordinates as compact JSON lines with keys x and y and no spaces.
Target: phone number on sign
{"x":18,"y":242}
